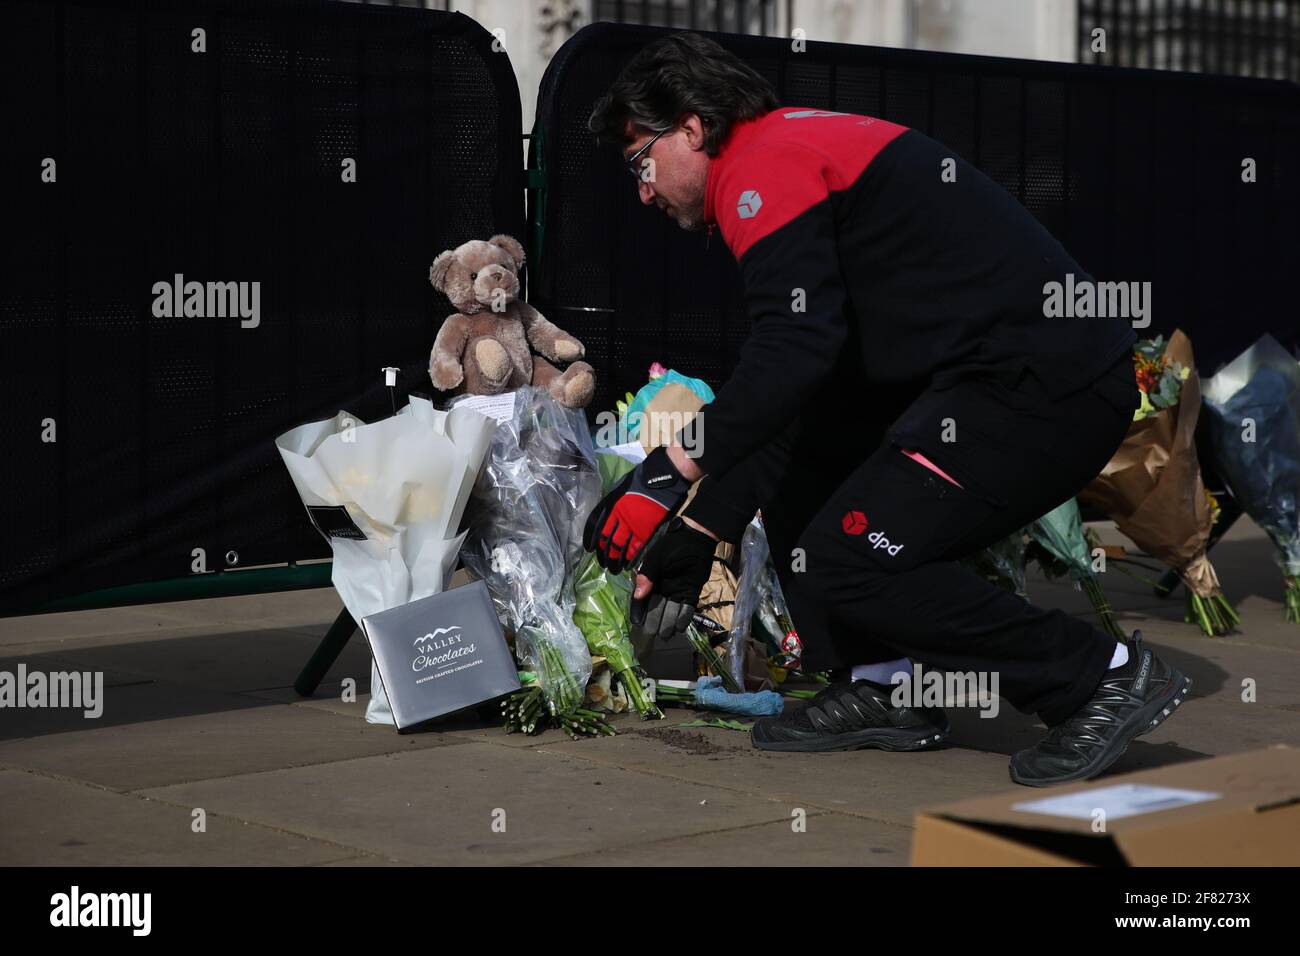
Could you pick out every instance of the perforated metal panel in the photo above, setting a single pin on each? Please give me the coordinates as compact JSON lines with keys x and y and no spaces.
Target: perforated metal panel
{"x":224,"y":166}
{"x":1137,"y":172}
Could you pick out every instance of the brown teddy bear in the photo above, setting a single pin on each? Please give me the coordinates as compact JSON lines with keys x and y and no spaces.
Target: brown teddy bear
{"x":484,"y":348}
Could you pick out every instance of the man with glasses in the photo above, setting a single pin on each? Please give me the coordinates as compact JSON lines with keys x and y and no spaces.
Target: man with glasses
{"x":901,"y":402}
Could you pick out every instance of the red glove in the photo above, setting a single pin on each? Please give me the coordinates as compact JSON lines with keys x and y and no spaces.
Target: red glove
{"x":619,"y":527}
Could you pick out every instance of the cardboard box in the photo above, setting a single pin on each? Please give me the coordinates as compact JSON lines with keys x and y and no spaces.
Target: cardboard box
{"x":440,"y":654}
{"x":1242,"y":810}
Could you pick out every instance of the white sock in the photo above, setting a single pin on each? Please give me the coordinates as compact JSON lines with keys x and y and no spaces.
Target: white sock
{"x":882,"y":673}
{"x":1120,"y":657}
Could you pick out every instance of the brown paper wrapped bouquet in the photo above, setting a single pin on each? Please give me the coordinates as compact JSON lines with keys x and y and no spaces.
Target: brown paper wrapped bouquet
{"x":1152,"y":486}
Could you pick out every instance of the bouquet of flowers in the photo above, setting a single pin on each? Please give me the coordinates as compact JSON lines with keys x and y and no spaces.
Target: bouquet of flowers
{"x":525,"y":712}
{"x":1152,"y":486}
{"x":1002,"y":563}
{"x":601,"y":609}
{"x":1160,"y":376}
{"x":1060,"y":546}
{"x":535,"y":489}
{"x":388,"y":497}
{"x":1254,"y":407}
{"x":783,"y":643}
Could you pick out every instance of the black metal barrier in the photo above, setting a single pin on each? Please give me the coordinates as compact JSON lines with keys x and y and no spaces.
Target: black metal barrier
{"x":302,"y":162}
{"x":1139,"y":173}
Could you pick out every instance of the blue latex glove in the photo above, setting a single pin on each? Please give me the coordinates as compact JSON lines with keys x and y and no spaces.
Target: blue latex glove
{"x":710,"y":693}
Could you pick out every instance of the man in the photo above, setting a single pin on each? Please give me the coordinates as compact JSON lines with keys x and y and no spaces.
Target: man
{"x":901,"y":402}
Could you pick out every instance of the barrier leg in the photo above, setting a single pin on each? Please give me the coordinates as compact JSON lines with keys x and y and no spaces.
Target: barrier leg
{"x":331,"y":646}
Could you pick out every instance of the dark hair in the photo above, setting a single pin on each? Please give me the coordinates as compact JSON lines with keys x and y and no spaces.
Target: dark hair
{"x":680,"y":74}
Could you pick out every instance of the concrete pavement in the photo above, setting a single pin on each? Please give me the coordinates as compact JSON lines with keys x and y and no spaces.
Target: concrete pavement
{"x":201,"y":725}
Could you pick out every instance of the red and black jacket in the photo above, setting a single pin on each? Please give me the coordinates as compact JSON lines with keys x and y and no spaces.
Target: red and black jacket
{"x":850,"y":237}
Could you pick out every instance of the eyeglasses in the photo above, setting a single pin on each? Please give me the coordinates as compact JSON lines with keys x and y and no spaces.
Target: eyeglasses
{"x":633,"y":162}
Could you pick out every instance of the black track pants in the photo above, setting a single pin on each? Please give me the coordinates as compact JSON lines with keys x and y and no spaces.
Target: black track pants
{"x":867,"y":550}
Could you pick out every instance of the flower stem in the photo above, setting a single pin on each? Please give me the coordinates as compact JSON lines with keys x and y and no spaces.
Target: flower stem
{"x":1101,"y":604}
{"x":1291,"y":606}
{"x":711,"y":660}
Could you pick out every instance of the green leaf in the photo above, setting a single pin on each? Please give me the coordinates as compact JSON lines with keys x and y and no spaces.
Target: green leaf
{"x":1169,"y":388}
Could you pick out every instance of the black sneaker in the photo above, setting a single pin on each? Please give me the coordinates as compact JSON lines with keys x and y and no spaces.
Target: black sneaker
{"x":1130,"y":701}
{"x":852,"y":715}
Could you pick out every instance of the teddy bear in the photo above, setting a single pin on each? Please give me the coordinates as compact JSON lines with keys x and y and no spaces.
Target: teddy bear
{"x":484,"y":349}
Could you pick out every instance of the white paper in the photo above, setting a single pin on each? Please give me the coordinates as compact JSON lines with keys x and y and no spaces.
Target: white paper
{"x":631,"y":451}
{"x":499,"y":408}
{"x":1119,"y":801}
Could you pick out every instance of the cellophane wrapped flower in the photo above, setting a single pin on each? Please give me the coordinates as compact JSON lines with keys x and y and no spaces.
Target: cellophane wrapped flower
{"x":1061,"y":547}
{"x":601,"y":607}
{"x":536,"y":487}
{"x":1254,"y":408}
{"x":1002,"y":563}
